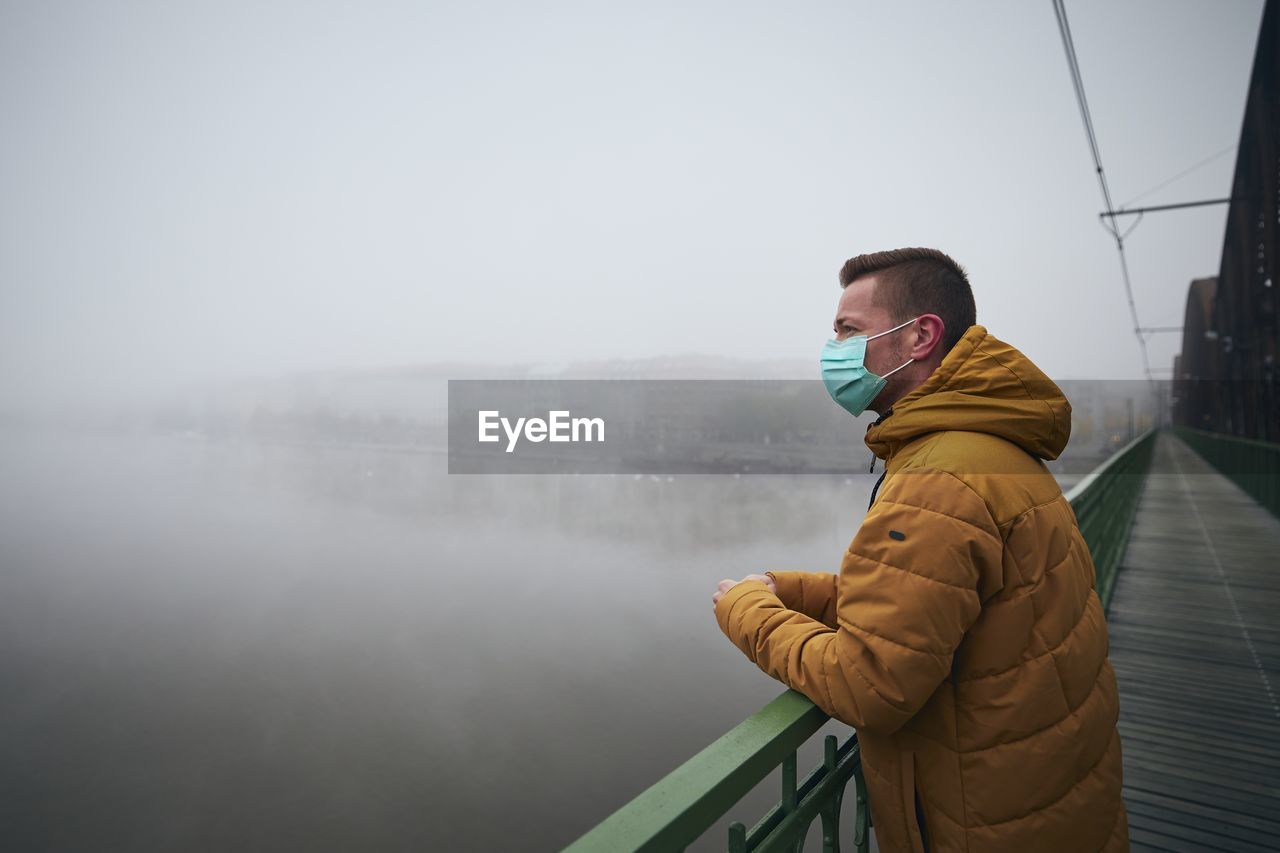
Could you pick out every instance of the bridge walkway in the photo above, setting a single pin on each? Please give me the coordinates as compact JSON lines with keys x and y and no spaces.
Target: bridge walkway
{"x":1195,"y":641}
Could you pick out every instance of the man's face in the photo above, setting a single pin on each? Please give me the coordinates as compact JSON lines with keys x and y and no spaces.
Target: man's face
{"x":857,"y":315}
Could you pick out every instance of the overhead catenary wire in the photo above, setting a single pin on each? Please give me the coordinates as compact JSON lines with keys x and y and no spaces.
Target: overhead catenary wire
{"x":1077,"y":82}
{"x":1073,"y":65}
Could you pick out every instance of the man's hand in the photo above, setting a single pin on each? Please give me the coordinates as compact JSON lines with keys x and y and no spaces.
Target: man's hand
{"x":727,"y":584}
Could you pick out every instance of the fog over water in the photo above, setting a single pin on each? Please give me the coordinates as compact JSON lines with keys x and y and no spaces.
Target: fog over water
{"x":213,"y":647}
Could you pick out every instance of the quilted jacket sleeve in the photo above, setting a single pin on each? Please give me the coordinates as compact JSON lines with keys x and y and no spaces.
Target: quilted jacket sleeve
{"x":906,"y":595}
{"x":810,"y":593}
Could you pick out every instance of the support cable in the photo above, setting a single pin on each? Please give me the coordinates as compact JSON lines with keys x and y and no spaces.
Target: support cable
{"x":1187,"y":171}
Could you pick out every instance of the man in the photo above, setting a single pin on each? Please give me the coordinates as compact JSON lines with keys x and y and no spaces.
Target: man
{"x":963,"y":638}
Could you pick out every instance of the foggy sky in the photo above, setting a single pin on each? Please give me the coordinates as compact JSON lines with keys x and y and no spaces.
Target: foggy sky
{"x":205,"y":190}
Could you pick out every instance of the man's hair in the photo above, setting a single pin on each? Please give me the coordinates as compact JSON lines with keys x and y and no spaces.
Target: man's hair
{"x":911,"y":282}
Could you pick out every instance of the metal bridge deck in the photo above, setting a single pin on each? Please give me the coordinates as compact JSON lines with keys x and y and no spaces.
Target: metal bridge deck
{"x":1195,"y":641}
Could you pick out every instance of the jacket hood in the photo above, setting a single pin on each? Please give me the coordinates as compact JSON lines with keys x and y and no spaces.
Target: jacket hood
{"x":982,"y":385}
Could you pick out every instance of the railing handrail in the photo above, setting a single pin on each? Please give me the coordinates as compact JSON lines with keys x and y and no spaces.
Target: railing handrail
{"x":1088,"y":481}
{"x":690,"y":799}
{"x":1227,"y":436}
{"x":1105,"y":502}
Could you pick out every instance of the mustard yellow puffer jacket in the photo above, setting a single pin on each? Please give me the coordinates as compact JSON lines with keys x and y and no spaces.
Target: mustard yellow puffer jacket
{"x":963,"y":637}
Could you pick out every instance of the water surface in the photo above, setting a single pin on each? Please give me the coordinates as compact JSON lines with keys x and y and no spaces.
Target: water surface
{"x":221,"y":645}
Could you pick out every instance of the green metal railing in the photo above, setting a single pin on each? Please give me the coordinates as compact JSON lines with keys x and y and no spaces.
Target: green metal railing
{"x":677,"y":810}
{"x":1105,"y":502}
{"x":697,"y":794}
{"x":1252,"y":465}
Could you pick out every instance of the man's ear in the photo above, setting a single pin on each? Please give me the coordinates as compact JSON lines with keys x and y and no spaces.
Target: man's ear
{"x":929,"y":332}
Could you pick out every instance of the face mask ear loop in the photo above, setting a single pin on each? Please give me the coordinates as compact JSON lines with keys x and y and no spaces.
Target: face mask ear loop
{"x":894,"y":329}
{"x":896,"y":369}
{"x":905,"y":363}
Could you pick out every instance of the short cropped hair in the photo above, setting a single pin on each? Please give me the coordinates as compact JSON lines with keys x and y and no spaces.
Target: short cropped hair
{"x":911,"y":282}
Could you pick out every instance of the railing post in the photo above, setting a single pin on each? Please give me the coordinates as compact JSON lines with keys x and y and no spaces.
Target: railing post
{"x":862,"y":814}
{"x":830,"y":813}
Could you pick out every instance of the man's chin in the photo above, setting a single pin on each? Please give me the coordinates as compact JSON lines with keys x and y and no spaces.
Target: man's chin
{"x":883,"y":402}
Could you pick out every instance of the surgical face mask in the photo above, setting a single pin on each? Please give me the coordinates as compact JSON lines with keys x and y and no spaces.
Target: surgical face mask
{"x":845,"y":374}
